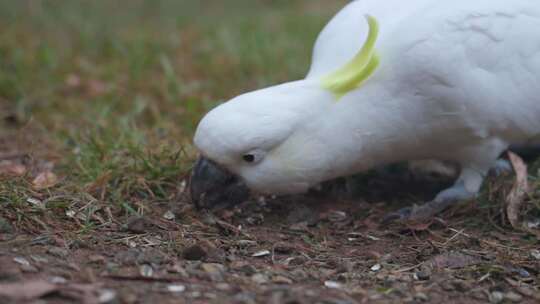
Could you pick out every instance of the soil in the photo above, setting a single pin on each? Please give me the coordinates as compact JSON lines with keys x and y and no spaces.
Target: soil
{"x":329,"y":246}
{"x":296,"y":250}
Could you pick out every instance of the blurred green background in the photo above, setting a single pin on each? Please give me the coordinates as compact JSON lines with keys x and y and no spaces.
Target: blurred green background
{"x":160,"y":64}
{"x":111,"y":90}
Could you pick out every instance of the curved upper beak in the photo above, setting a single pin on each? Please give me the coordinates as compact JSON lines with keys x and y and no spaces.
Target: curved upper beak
{"x":213,"y":187}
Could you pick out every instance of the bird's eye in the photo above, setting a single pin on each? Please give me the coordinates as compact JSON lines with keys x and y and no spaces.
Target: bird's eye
{"x":248,"y":158}
{"x":253,"y":156}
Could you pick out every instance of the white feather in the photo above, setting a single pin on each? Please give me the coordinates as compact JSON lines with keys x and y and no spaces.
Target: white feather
{"x":458,"y":80}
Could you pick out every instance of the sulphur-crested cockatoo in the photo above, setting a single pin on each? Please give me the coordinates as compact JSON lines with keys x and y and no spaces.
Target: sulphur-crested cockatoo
{"x":390,"y":81}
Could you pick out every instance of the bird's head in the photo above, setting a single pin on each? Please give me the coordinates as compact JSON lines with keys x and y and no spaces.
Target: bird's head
{"x":267,"y":140}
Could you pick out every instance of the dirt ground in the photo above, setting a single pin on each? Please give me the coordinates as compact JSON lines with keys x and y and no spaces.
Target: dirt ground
{"x":325,"y":247}
{"x":98,"y":104}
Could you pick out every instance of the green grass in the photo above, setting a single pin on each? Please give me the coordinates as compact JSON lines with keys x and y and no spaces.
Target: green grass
{"x":112,"y":90}
{"x":170,"y":60}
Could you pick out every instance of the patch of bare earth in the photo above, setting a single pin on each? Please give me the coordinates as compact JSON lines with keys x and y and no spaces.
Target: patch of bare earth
{"x":309,"y":249}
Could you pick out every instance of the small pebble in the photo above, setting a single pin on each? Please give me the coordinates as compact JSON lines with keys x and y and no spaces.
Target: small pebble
{"x":177,"y":268}
{"x":107,"y":296}
{"x":195,"y":294}
{"x":421,"y":296}
{"x":214,"y":271}
{"x":29,"y":269}
{"x":523,"y":273}
{"x":535,"y":253}
{"x":194,"y":253}
{"x":421,"y":276}
{"x":259,"y":278}
{"x":169,"y":215}
{"x":97,"y":258}
{"x":333,"y":285}
{"x":223,"y":286}
{"x":58,"y":252}
{"x":496,"y":297}
{"x":212,"y":267}
{"x":176,"y":288}
{"x":138,"y":225}
{"x":146,"y":271}
{"x":58,"y":280}
{"x":513,"y":296}
{"x":281,"y":280}
{"x":284,"y":248}
{"x":247,"y":269}
{"x":22,"y":261}
{"x":128,"y":298}
{"x":376,"y":267}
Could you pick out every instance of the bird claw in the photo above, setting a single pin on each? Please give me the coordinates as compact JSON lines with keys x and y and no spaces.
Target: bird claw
{"x":398,"y":216}
{"x":422,"y":213}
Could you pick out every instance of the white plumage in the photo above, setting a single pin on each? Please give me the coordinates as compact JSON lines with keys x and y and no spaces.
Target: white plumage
{"x":458,"y":80}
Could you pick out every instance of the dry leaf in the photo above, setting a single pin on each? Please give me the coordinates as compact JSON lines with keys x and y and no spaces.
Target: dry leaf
{"x":96,"y":87}
{"x":73,"y":80}
{"x":8,"y":167}
{"x":45,"y":180}
{"x":26,"y":291}
{"x":519,"y":190}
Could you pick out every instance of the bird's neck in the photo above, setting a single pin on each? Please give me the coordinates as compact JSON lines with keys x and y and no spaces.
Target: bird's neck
{"x":374,"y":128}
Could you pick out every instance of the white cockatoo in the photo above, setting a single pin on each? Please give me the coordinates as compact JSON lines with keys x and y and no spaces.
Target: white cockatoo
{"x":390,"y":81}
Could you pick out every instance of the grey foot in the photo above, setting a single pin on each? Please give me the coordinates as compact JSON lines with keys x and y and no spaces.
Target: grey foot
{"x":445,"y":199}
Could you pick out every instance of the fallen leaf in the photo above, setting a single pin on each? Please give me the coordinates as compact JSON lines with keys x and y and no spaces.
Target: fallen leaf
{"x":73,"y":80}
{"x":519,"y":190}
{"x":45,"y":180}
{"x":96,"y":87}
{"x":8,"y":167}
{"x":26,"y":291}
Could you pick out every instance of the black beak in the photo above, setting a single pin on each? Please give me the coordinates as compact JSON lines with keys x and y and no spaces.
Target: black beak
{"x":215,"y":188}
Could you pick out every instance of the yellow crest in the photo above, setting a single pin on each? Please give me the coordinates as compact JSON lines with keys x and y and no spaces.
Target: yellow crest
{"x":354,"y":73}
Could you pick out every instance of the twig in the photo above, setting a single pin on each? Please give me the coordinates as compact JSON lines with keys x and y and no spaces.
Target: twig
{"x":458,"y":233}
{"x":409,"y":268}
{"x":141,"y":278}
{"x":487,"y":242}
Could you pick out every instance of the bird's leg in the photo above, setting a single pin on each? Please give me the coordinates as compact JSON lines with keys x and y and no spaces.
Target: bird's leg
{"x":475,"y":162}
{"x":466,"y":187}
